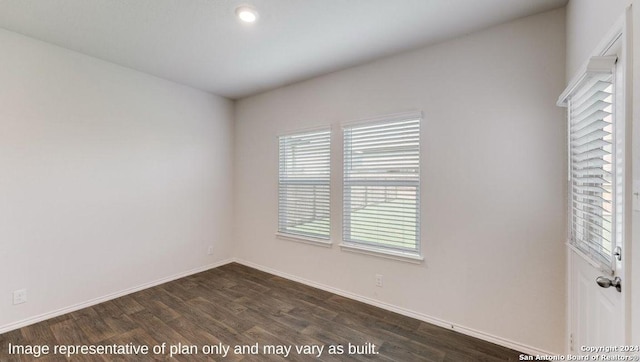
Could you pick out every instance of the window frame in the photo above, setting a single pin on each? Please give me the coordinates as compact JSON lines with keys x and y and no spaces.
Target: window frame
{"x":609,"y":62}
{"x":301,"y":237}
{"x":412,"y":256}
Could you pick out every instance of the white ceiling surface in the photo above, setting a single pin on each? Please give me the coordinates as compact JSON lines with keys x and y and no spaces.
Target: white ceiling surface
{"x":201,"y":43}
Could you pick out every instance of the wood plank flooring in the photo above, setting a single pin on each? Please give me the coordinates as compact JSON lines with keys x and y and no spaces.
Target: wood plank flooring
{"x":236,"y":305}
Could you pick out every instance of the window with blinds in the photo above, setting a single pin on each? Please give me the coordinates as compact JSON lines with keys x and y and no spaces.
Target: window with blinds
{"x":303,"y":184}
{"x":381,"y":190}
{"x":591,"y":132}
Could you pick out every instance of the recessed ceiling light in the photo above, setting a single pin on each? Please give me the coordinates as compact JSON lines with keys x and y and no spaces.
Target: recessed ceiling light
{"x":247,"y":14}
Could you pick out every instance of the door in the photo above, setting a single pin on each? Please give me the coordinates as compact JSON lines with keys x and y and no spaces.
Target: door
{"x":599,"y":195}
{"x":598,"y":313}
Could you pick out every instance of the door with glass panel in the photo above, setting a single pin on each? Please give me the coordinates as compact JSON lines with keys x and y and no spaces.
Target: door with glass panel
{"x":596,"y":147}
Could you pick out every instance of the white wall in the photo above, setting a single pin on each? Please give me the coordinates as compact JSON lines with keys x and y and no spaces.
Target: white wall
{"x":109,"y":178}
{"x":493,"y":180}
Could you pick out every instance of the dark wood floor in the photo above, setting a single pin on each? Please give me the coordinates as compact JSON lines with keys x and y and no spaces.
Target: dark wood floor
{"x":237,"y":305}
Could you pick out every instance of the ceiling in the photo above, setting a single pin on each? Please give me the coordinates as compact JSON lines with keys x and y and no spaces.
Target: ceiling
{"x":202,"y":44}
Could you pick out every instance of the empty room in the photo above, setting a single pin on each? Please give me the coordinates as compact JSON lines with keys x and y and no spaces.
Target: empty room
{"x":332,"y":180}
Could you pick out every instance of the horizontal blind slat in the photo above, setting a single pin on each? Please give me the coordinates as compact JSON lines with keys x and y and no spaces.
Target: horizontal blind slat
{"x":381,"y":184}
{"x":589,"y":137}
{"x":304,"y":184}
{"x":591,"y":147}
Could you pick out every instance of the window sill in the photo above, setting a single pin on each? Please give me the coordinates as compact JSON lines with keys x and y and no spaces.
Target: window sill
{"x":383,"y":253}
{"x":305,"y":240}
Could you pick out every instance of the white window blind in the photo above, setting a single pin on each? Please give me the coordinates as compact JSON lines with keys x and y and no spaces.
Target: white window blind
{"x":381,"y":188}
{"x":303,"y":184}
{"x":592,"y":203}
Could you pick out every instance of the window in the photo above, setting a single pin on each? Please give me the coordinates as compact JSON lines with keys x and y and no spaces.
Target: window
{"x":303,"y":184}
{"x":593,"y":182}
{"x":381,"y":189}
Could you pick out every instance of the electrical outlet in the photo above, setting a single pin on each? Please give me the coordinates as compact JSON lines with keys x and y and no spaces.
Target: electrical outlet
{"x":378,"y":280}
{"x":210,"y":250}
{"x":20,"y":296}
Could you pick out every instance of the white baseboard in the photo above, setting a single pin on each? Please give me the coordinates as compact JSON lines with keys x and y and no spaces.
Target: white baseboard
{"x":409,"y":313}
{"x":92,"y":302}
